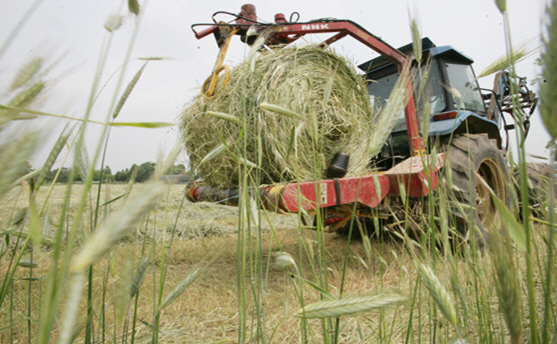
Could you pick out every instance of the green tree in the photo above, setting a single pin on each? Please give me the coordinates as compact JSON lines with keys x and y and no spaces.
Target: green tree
{"x":122,"y":176}
{"x":145,"y":171}
{"x":178,"y":169}
{"x":106,"y":175}
{"x":62,"y":177}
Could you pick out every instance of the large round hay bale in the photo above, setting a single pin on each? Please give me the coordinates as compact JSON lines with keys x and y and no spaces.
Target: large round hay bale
{"x":323,"y":88}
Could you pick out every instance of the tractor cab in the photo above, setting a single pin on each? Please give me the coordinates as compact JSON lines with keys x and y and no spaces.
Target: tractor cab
{"x":456,"y":103}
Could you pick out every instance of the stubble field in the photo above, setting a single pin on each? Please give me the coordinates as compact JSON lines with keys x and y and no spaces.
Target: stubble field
{"x":177,"y":239}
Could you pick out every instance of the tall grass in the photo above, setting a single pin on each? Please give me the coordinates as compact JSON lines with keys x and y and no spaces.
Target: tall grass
{"x":97,"y":267}
{"x":84,"y":241}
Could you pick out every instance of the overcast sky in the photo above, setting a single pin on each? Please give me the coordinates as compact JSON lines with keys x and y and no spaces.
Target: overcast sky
{"x":70,"y":35}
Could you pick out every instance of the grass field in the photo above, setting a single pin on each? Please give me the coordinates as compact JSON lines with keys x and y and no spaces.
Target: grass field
{"x":195,"y":221}
{"x":207,"y":312}
{"x":204,"y":230}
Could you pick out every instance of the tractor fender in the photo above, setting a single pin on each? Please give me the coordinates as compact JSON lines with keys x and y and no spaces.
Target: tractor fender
{"x":465,"y":122}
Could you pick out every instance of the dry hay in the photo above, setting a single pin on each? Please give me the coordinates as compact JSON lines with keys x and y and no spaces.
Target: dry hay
{"x":315,"y":83}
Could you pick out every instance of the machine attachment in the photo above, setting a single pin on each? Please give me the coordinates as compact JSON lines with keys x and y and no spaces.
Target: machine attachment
{"x":303,"y":197}
{"x":284,"y":32}
{"x":343,"y":196}
{"x":223,"y":35}
{"x":414,"y":175}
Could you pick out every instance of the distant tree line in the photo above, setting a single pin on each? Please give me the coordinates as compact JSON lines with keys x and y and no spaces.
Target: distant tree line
{"x":140,"y":173}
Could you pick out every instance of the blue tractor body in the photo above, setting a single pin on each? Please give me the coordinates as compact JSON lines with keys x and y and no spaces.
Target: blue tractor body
{"x":456,"y":103}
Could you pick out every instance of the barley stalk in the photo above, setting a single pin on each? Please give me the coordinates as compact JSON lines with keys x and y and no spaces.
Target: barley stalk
{"x":27,"y":96}
{"x":521,"y":52}
{"x":117,"y":226}
{"x":247,"y":163}
{"x":179,"y":289}
{"x":15,"y":110}
{"x":213,"y":153}
{"x":23,"y":234}
{"x":112,"y":124}
{"x":349,"y":306}
{"x":13,"y":157}
{"x":286,"y":112}
{"x":416,"y":40}
{"x":224,"y":116}
{"x":128,"y":91}
{"x":138,"y":277}
{"x":501,"y":5}
{"x":167,"y":163}
{"x":548,"y":89}
{"x":72,"y":308}
{"x":151,"y":58}
{"x":133,"y":7}
{"x":386,"y":120}
{"x":113,"y":22}
{"x":283,"y":260}
{"x":34,"y":224}
{"x":27,"y":263}
{"x":81,"y":161}
{"x":439,"y":294}
{"x":507,"y":285}
{"x":140,"y":124}
{"x":124,"y":285}
{"x":26,"y":72}
{"x":51,"y":159}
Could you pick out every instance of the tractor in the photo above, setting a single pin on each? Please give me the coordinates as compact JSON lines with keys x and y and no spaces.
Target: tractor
{"x":461,"y":131}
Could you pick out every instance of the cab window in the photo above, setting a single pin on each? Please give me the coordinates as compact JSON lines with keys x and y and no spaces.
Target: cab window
{"x":464,"y":90}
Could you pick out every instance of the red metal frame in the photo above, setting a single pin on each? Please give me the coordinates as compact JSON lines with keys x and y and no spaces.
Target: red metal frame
{"x":369,"y":191}
{"x":415,"y":175}
{"x":288,"y":33}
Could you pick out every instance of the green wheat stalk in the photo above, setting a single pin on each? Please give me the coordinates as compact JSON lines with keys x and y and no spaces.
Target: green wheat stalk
{"x":439,"y":294}
{"x":507,"y":285}
{"x":349,"y":306}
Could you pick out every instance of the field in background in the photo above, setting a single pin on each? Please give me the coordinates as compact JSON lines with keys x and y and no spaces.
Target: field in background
{"x":196,"y":220}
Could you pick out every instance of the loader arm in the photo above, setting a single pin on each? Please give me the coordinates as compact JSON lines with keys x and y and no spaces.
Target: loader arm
{"x":283,"y":33}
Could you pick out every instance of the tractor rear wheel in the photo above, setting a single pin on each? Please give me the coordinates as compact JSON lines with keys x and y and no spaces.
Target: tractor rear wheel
{"x":468,"y":158}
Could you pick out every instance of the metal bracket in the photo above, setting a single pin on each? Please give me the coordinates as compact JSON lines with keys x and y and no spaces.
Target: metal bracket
{"x":224,"y":36}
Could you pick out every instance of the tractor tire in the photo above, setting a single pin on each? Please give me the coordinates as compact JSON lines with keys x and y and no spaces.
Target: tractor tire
{"x":538,"y":186}
{"x":468,"y":156}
